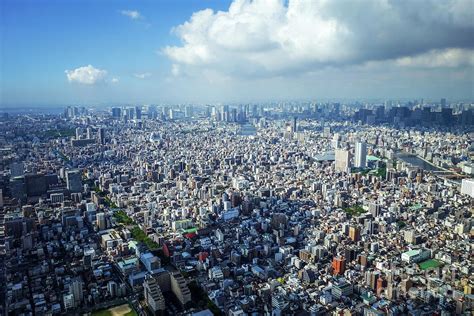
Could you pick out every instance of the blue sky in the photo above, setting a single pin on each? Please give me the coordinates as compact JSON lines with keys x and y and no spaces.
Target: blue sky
{"x":41,"y":39}
{"x":250,"y":50}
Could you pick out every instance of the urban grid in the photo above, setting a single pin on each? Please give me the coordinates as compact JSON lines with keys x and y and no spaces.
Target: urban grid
{"x":237,"y":158}
{"x":291,"y":208}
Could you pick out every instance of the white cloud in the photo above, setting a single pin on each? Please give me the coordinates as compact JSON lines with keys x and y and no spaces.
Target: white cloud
{"x":132,"y":14}
{"x":175,"y":71}
{"x":86,"y":75}
{"x":265,"y":38}
{"x":451,"y":57}
{"x":142,"y":75}
{"x":114,"y":80}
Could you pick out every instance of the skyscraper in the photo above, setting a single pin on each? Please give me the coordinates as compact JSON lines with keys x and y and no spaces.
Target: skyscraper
{"x":338,"y":265}
{"x":342,"y":160}
{"x":76,"y":289}
{"x":153,"y":295}
{"x":360,"y":155}
{"x":73,"y":181}
{"x":78,"y":133}
{"x":17,"y":169}
{"x":101,"y":221}
{"x":138,"y":112}
{"x":294,"y":125}
{"x":116,"y":113}
{"x":101,"y":136}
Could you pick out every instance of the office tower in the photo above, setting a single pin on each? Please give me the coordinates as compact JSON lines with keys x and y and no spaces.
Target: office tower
{"x":360,"y":155}
{"x":69,"y":113}
{"x":339,"y":265}
{"x":116,"y":113}
{"x":101,"y":221}
{"x":188,"y":111}
{"x":354,"y":233}
{"x":18,"y":188}
{"x":467,"y":187}
{"x":342,"y":160}
{"x":78,"y":133}
{"x":447,"y":116}
{"x":335,"y":141}
{"x":75,"y":289}
{"x":225,"y":113}
{"x":17,"y":169}
{"x":153,"y":296}
{"x":101,"y":136}
{"x":254,"y":110}
{"x":294,"y":125}
{"x":171,"y":114}
{"x":36,"y":184}
{"x":112,"y":288}
{"x":138,"y":112}
{"x":74,"y":181}
{"x":443,"y":102}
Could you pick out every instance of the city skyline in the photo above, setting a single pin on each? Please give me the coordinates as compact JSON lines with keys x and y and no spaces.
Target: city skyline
{"x":237,"y":157}
{"x":124,"y":52}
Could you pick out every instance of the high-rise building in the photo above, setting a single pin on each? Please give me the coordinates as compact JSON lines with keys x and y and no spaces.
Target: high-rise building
{"x":360,"y":155}
{"x":336,"y":139}
{"x":467,"y":187}
{"x":354,"y":233}
{"x":89,"y":133}
{"x":443,"y":102}
{"x":342,"y":157}
{"x":75,"y":289}
{"x":101,"y":136}
{"x":138,"y":112}
{"x":78,"y":133}
{"x":294,"y":125}
{"x":338,"y":265}
{"x":101,"y":222}
{"x":180,"y":288}
{"x":17,"y":169}
{"x":116,"y":113}
{"x":74,"y":181}
{"x":188,"y":111}
{"x":153,"y":296}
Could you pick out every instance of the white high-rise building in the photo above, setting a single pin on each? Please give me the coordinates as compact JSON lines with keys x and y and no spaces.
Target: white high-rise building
{"x":467,"y":187}
{"x":360,"y":155}
{"x":336,"y":141}
{"x":101,"y":221}
{"x":153,"y":295}
{"x":342,"y":160}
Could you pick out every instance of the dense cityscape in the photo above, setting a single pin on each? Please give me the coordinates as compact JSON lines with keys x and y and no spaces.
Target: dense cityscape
{"x":290,"y":208}
{"x":237,"y":158}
